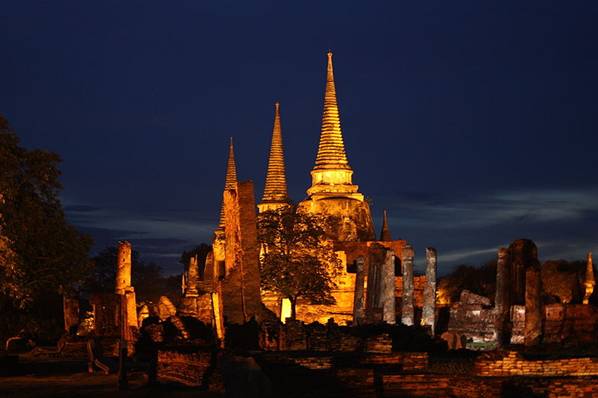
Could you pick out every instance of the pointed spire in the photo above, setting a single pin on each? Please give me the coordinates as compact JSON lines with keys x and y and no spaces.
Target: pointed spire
{"x":331,"y":151}
{"x":275,"y":189}
{"x":230,"y":181}
{"x":385,"y":235}
{"x":590,"y":280}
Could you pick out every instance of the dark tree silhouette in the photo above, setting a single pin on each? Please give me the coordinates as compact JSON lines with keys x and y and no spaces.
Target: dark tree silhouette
{"x":44,"y":254}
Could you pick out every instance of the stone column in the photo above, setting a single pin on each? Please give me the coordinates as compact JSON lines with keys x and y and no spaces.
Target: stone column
{"x":590,"y":280}
{"x":407,"y":310}
{"x":387,"y":294}
{"x":533,"y":306}
{"x":359,"y":298}
{"x":502,"y":300}
{"x":429,"y":310}
{"x":123,"y":271}
{"x":192,"y":277}
{"x":123,"y":282}
{"x":372,"y":302}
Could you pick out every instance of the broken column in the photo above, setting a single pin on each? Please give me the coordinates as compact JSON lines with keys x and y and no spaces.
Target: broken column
{"x":590,"y":280}
{"x":123,"y":282}
{"x":429,"y":310}
{"x":190,"y":301}
{"x":387,"y":294}
{"x":502,"y":301}
{"x":520,"y":251}
{"x":359,"y":297}
{"x":407,"y":310}
{"x":524,"y":256}
{"x":533,"y":306}
{"x":192,"y":277}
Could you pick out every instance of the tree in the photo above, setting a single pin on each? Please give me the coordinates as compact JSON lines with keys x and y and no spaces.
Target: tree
{"x":479,"y":280}
{"x":50,"y":252}
{"x":201,"y":251}
{"x":44,"y":254}
{"x":297,"y":259}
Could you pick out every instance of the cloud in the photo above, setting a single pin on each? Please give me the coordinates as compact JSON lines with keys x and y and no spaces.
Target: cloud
{"x":160,"y":237}
{"x":484,"y":210}
{"x":80,"y":208}
{"x":469,"y":228}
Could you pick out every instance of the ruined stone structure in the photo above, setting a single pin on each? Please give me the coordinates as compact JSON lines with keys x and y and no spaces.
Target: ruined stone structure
{"x":429,"y":310}
{"x":471,"y":323}
{"x":123,"y":282}
{"x":376,"y":281}
{"x":332,"y":193}
{"x":241,"y":278}
{"x":375,"y":266}
{"x":502,"y":301}
{"x":196,"y":301}
{"x":408,"y":309}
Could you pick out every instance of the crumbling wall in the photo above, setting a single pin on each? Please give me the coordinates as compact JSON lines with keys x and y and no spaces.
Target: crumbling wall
{"x":190,"y":369}
{"x":570,"y":323}
{"x":241,"y":283}
{"x":474,"y":319}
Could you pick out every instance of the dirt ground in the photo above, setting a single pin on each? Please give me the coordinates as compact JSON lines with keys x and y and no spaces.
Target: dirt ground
{"x":70,"y":379}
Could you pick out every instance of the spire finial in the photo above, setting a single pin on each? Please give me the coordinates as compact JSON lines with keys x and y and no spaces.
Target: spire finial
{"x":385,"y":235}
{"x":275,"y":188}
{"x":230,"y":180}
{"x":331,"y":151}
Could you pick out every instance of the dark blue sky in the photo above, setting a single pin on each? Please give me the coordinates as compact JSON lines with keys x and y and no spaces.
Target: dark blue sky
{"x":474,"y":123}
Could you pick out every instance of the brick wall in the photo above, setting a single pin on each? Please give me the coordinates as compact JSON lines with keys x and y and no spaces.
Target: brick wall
{"x":513,"y":364}
{"x":189,"y":369}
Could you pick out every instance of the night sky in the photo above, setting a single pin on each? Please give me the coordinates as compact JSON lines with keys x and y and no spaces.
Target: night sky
{"x":473,"y":122}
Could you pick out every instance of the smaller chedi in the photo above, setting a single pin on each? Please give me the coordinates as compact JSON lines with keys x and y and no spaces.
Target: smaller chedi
{"x":590,"y":280}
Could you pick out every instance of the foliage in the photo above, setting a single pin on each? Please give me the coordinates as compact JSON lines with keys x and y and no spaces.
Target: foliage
{"x":297,"y":260}
{"x":43,"y":252}
{"x":478,"y":280}
{"x":201,"y":251}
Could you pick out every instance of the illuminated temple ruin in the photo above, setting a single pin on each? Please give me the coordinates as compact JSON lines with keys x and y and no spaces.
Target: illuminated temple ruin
{"x":333,"y":194}
{"x":385,"y":321}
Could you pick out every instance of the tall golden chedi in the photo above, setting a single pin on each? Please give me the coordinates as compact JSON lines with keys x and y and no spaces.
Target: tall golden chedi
{"x":275,"y":189}
{"x":332,"y":191}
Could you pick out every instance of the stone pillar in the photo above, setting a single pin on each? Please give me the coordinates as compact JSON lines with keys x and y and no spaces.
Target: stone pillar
{"x":372,"y":302}
{"x":387,"y":294}
{"x":359,"y":298}
{"x":123,"y":282}
{"x":192,"y":277}
{"x":523,"y":253}
{"x":407,"y":310}
{"x":590,"y":280}
{"x":533,"y":306}
{"x":502,"y":300}
{"x":123,"y":271}
{"x":429,"y":310}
